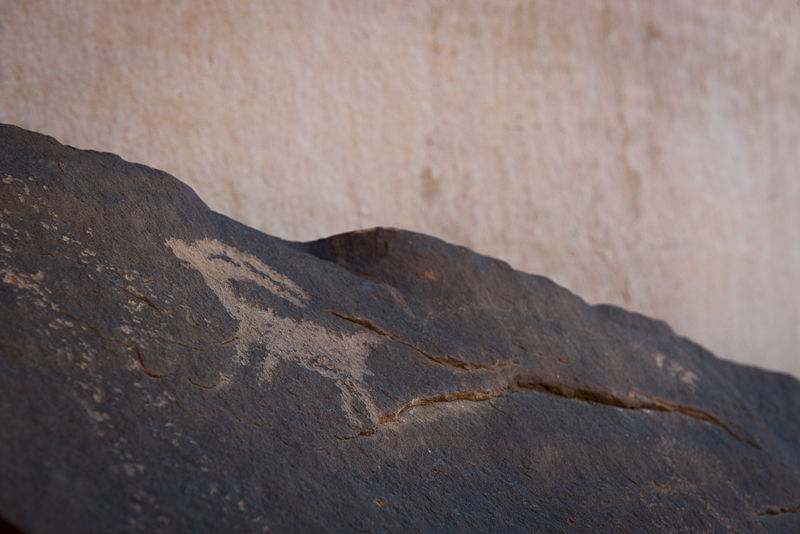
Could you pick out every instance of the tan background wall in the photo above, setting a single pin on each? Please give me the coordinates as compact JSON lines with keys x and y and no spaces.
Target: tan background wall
{"x":642,"y":153}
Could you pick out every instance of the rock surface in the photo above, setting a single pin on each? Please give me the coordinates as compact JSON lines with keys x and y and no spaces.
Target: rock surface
{"x":641,"y":153}
{"x":167,"y":369}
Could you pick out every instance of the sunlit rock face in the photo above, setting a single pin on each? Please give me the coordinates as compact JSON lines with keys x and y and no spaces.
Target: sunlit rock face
{"x":640,"y":153}
{"x":164,"y":368}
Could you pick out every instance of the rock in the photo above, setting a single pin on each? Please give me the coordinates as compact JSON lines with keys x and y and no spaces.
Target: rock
{"x":165,"y":368}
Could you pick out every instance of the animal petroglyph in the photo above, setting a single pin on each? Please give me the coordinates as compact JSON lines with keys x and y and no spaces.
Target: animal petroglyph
{"x":341,"y":358}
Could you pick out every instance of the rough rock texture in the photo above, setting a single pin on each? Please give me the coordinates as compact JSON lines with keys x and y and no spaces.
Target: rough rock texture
{"x":167,"y":369}
{"x":642,"y":153}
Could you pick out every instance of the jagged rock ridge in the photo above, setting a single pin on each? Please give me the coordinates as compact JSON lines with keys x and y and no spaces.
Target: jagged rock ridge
{"x":165,"y":368}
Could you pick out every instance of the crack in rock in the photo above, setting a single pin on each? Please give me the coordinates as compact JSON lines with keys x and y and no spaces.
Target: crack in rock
{"x":441,"y":360}
{"x":474,"y":396}
{"x":221,"y":264}
{"x":142,"y":365}
{"x":130,"y":290}
{"x":775,"y":510}
{"x":636,"y":401}
{"x":223,"y":379}
{"x":639,"y":402}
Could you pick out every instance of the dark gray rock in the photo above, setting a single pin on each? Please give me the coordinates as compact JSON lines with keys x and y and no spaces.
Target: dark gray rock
{"x":166,"y":369}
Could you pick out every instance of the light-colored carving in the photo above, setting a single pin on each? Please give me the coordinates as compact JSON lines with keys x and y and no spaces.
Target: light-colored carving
{"x":341,"y":358}
{"x":29,"y":282}
{"x":675,"y":369}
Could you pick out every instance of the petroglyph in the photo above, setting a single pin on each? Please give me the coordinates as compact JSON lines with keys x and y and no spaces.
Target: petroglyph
{"x":341,"y":358}
{"x":29,"y":282}
{"x":675,"y":369}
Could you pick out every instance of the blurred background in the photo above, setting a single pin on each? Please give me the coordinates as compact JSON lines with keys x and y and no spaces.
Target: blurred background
{"x":641,"y":153}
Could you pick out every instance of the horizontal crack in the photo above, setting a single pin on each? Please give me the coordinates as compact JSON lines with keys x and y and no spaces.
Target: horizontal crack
{"x":441,"y":360}
{"x":181,"y":343}
{"x":475,"y":396}
{"x":775,"y":510}
{"x":636,"y":401}
{"x":640,"y":401}
{"x":223,"y":379}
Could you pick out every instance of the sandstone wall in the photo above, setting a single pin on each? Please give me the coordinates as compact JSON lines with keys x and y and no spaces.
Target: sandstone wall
{"x":640,"y":153}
